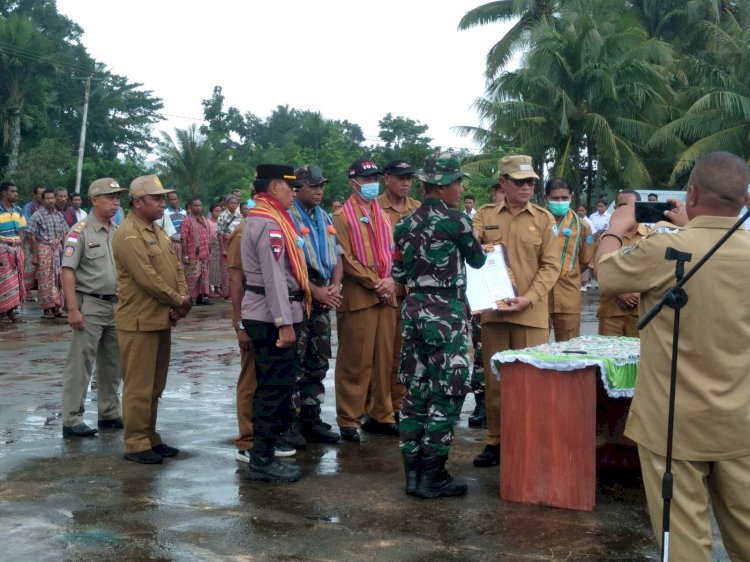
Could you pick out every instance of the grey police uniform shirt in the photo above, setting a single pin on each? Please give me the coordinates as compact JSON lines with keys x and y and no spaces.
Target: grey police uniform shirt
{"x":274,"y":273}
{"x":88,"y":252}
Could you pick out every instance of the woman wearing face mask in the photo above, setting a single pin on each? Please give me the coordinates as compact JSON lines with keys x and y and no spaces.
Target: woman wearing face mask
{"x":576,"y":251}
{"x":365,"y":327}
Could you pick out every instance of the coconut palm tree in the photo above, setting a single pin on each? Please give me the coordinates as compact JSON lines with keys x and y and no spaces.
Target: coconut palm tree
{"x":26,"y":63}
{"x":528,"y":12}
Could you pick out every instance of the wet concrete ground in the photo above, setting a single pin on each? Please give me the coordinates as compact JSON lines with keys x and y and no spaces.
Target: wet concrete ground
{"x":77,"y":499}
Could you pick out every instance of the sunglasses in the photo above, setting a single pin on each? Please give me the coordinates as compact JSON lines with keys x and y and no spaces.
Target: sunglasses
{"x":521,"y":182}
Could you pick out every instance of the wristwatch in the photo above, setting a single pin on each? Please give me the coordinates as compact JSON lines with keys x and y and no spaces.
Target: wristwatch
{"x":239,"y":326}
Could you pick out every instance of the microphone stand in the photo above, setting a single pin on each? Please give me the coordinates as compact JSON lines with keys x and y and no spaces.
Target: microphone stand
{"x":676,"y":298}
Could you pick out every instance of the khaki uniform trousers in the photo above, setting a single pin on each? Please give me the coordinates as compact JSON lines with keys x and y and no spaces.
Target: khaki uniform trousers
{"x":566,"y":325}
{"x":97,"y":341}
{"x":726,"y":483}
{"x":619,"y":326}
{"x":363,"y":364}
{"x":145,"y":362}
{"x":246,"y":385}
{"x":500,"y":336}
{"x":398,"y":391}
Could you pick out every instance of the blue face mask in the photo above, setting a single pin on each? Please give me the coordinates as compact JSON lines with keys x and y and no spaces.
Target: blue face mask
{"x":370,"y":191}
{"x":558,"y":208}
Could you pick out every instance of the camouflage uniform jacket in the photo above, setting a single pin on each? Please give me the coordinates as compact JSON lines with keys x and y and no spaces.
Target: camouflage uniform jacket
{"x":431,"y":246}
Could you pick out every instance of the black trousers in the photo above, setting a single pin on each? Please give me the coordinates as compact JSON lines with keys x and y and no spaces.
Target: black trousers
{"x":275,"y":370}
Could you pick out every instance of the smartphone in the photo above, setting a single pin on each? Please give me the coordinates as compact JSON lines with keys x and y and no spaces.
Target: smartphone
{"x":651,"y":211}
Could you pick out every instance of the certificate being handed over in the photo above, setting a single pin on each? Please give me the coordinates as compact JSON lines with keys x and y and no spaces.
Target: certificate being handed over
{"x":491,"y":283}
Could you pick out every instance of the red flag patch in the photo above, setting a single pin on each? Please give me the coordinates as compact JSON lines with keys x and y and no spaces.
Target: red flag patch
{"x":276,"y":238}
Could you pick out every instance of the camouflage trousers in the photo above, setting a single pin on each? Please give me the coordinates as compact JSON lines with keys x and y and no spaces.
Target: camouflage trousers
{"x":477,"y":373}
{"x":435,"y":371}
{"x":314,"y":350}
{"x":275,"y":371}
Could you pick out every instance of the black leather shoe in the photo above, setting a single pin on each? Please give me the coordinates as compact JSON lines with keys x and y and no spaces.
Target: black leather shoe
{"x":489,"y":457}
{"x":380,"y":428}
{"x":350,"y":434}
{"x":80,"y":430}
{"x":316,"y":432}
{"x":165,"y":450}
{"x":115,"y":423}
{"x":144,"y":457}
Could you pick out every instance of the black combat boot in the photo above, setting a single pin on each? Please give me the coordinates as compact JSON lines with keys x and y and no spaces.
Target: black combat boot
{"x":412,"y":462}
{"x":435,"y":482}
{"x":313,"y":429}
{"x":263,"y":466}
{"x":477,"y":418}
{"x":293,"y":436}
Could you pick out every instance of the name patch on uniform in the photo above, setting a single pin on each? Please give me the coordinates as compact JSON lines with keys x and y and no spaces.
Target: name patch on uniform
{"x":69,"y":251}
{"x":276,"y":238}
{"x":492,"y":227}
{"x":152,"y":242}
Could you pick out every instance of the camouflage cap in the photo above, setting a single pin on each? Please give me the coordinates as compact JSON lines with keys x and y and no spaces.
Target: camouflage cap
{"x":442,"y":168}
{"x":104,"y":186}
{"x":517,"y":167}
{"x":147,"y":185}
{"x":310,"y":175}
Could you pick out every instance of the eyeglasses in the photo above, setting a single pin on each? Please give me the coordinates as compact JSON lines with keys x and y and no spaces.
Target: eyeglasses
{"x":520,"y":183}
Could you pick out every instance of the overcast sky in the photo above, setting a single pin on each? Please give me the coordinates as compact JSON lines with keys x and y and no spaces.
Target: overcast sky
{"x":348,"y":59}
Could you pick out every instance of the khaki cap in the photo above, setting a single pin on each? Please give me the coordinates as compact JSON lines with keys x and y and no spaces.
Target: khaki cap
{"x":147,"y":185}
{"x":105,"y":186}
{"x":517,"y":167}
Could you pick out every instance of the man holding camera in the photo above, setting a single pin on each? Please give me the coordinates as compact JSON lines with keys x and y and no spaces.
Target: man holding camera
{"x":711,"y":448}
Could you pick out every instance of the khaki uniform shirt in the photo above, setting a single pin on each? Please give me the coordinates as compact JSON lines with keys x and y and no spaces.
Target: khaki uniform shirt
{"x":149,"y":275}
{"x":565,"y":295}
{"x":88,"y":252}
{"x":274,"y":273}
{"x":234,"y":256}
{"x":358,"y":283}
{"x":533,"y":254}
{"x":608,"y":307}
{"x":395,"y":216}
{"x":712,"y":410}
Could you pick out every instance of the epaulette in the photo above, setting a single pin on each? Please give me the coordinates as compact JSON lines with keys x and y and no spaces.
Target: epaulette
{"x":80,"y":225}
{"x":487,"y":206}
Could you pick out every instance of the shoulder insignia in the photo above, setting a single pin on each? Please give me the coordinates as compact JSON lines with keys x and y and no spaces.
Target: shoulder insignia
{"x":80,"y":225}
{"x":68,"y":251}
{"x":627,"y":249}
{"x":276,"y":239}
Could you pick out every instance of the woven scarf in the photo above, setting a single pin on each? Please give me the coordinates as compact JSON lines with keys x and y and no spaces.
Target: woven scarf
{"x":572,"y":243}
{"x":320,"y":238}
{"x":379,"y":231}
{"x":269,"y":207}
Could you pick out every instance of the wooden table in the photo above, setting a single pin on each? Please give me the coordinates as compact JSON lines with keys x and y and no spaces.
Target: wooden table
{"x":548,"y":416}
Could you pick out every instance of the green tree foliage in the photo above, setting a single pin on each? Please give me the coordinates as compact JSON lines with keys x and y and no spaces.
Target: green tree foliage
{"x":43,"y":69}
{"x":47,"y":163}
{"x":616,"y":93}
{"x":194,"y":166}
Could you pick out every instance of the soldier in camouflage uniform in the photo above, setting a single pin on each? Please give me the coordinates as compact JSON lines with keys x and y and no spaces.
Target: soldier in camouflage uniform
{"x":431,"y":246}
{"x":324,"y":272}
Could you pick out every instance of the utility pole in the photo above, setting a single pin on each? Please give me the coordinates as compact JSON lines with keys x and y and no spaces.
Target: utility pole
{"x":79,"y":169}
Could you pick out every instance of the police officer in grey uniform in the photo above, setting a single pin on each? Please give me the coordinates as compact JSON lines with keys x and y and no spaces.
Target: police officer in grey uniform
{"x":276,"y":295}
{"x":90,"y":286}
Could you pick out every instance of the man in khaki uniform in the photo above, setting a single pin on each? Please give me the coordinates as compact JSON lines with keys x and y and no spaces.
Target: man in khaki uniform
{"x":576,"y":244}
{"x":365,"y":318}
{"x":618,"y":314}
{"x":397,"y":176}
{"x":153,"y":295}
{"x":246,"y":382}
{"x":711,"y":447}
{"x":527,"y":232}
{"x":89,"y":283}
